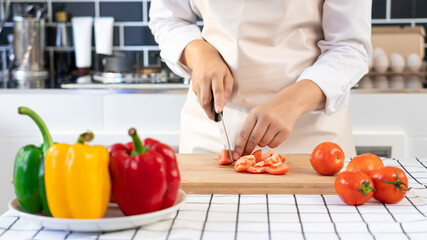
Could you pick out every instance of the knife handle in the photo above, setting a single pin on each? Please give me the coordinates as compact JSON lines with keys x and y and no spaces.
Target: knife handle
{"x":216,"y":116}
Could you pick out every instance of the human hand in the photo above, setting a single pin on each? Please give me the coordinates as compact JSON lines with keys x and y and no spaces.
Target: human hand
{"x":210,"y":74}
{"x":271,"y":123}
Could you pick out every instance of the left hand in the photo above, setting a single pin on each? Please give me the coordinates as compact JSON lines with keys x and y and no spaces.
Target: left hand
{"x":271,"y":123}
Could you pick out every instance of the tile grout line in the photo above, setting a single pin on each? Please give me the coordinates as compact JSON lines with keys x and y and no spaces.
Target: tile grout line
{"x":367,"y":225}
{"x":8,"y":228}
{"x":299,"y":217}
{"x":268,"y":217}
{"x":68,"y":234}
{"x":409,"y":173}
{"x":392,"y":216}
{"x":237,"y":218}
{"x":330,"y":217}
{"x":206,"y":218}
{"x":38,"y":231}
{"x":136,"y":231}
{"x":171,"y":226}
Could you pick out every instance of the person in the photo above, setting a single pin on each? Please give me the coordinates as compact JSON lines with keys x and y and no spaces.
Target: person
{"x":280,"y":70}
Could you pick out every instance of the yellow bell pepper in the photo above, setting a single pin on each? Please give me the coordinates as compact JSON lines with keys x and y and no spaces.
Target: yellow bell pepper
{"x":77,"y":179}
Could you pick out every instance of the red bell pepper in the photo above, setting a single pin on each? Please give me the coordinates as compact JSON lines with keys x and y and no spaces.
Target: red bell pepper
{"x":138,"y":177}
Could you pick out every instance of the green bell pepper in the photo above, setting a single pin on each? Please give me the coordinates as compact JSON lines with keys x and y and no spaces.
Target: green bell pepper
{"x":28,"y":174}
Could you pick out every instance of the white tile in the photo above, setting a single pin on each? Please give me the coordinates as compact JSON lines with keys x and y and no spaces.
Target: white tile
{"x":79,"y":236}
{"x":285,"y":227}
{"x":390,"y":236}
{"x":314,"y":217}
{"x":374,"y":218}
{"x":282,"y":208}
{"x":286,"y":235}
{"x":312,"y":209}
{"x":379,"y":227}
{"x":416,"y":226}
{"x":150,"y":234}
{"x":346,"y":217}
{"x":376,"y":208}
{"x":252,"y":235}
{"x":25,"y":224}
{"x":184,"y":234}
{"x":403,"y":217}
{"x":198,"y":198}
{"x":252,"y":227}
{"x":284,"y":217}
{"x":195,"y":207}
{"x":253,"y":217}
{"x":220,"y":226}
{"x":215,"y":235}
{"x":250,"y":208}
{"x":250,"y":199}
{"x":12,"y":234}
{"x":192,"y":215}
{"x":193,"y":225}
{"x":318,"y":227}
{"x":401,"y":209}
{"x":342,"y":209}
{"x":222,"y":198}
{"x":321,"y":236}
{"x":348,"y":227}
{"x":119,"y":235}
{"x":356,"y":236}
{"x":223,"y":207}
{"x":281,"y":199}
{"x":309,"y":199}
{"x":221,"y":216}
{"x":53,"y":235}
{"x":333,"y":199}
{"x":418,"y":236}
{"x":159,"y":226}
{"x":6,"y":221}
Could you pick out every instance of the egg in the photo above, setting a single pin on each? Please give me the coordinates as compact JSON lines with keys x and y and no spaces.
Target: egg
{"x":381,"y":64}
{"x":414,"y":82}
{"x":397,"y":63}
{"x":378,"y":52}
{"x":397,"y":82}
{"x":381,"y":82}
{"x":413,"y":61}
{"x":366,"y":83}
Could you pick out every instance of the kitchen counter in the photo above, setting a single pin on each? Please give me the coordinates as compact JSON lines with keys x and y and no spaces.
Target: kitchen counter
{"x":220,"y":216}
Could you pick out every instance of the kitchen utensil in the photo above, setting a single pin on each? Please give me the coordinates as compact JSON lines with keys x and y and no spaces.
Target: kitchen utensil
{"x":201,"y":174}
{"x":218,"y":118}
{"x":113,"y":219}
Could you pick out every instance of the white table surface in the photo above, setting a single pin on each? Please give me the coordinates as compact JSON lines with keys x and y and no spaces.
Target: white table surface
{"x":270,"y":217}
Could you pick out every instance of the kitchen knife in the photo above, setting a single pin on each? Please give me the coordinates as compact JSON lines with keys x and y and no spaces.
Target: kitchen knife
{"x":219,"y":119}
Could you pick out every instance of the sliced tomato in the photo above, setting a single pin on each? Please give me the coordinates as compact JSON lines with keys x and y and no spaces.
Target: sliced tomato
{"x":258,"y":155}
{"x":275,"y":158}
{"x":243,"y":163}
{"x":257,"y":168}
{"x":268,"y":154}
{"x":223,"y":158}
{"x":278,"y":169}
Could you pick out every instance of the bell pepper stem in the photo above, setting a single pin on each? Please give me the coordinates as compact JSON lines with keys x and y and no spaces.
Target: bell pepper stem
{"x":85,"y":137}
{"x":47,"y":138}
{"x":138,"y":148}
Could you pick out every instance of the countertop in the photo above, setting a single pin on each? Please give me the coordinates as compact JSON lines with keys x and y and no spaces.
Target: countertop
{"x":220,"y":216}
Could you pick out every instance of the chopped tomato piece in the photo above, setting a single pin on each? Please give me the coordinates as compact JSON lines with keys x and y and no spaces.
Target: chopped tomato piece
{"x":257,"y":168}
{"x":223,"y":158}
{"x":268,"y":154}
{"x":243,"y":163}
{"x":277,"y":169}
{"x":275,"y":158}
{"x":258,"y":155}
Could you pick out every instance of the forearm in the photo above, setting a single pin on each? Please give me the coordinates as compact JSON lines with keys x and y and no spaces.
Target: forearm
{"x":195,"y":51}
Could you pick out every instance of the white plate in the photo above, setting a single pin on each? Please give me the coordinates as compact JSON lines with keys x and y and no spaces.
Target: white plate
{"x":113,"y":219}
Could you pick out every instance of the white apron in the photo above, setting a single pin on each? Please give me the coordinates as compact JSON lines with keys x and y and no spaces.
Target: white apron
{"x":267,"y":46}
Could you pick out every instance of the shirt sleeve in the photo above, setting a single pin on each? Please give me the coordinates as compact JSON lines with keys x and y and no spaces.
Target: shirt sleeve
{"x":346,"y":51}
{"x":173,"y":24}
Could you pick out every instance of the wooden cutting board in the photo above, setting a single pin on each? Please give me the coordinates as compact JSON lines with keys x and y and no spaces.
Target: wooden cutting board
{"x":201,"y":174}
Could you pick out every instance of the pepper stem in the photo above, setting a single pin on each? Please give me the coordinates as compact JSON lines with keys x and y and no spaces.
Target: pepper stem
{"x":138,"y":148}
{"x":366,"y":188}
{"x":47,"y":138}
{"x":85,"y":137}
{"x":398,"y":184}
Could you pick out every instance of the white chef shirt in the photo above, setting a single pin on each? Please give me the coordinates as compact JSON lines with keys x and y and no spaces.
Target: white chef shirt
{"x":345,"y":50}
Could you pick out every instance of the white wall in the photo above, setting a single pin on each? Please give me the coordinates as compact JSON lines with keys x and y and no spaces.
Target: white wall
{"x":398,"y":120}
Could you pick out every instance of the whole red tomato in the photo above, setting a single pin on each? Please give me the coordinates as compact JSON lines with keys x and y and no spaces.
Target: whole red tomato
{"x":391,"y":184}
{"x":354,"y":188}
{"x":366,"y":163}
{"x":327,"y":158}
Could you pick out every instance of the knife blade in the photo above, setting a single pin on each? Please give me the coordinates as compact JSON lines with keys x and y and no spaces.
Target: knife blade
{"x":219,"y":119}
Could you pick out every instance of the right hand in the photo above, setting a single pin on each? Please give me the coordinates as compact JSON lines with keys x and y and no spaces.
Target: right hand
{"x":209,"y":74}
